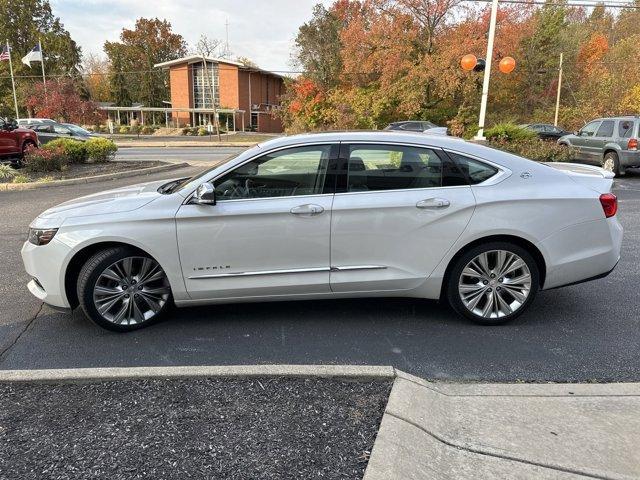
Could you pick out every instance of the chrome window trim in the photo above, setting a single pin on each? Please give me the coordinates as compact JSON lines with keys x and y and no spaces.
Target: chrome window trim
{"x":502,"y":174}
{"x":261,"y":154}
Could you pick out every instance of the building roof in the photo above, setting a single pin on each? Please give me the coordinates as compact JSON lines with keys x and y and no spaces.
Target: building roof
{"x":198,"y":58}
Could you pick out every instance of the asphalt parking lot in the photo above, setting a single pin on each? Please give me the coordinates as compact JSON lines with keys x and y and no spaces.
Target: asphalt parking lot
{"x":587,"y":332}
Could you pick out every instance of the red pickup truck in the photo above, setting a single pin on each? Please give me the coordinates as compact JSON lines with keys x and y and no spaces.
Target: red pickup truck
{"x":14,"y":141}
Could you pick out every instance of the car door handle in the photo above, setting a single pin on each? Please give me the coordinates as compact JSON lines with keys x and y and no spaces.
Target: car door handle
{"x":433,"y":203}
{"x":307,"y":210}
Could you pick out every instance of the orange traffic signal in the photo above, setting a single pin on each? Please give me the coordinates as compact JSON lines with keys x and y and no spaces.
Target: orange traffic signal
{"x":507,"y":64}
{"x":468,"y":62}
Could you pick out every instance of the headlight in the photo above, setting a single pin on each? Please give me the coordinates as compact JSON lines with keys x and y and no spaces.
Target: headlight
{"x":39,"y":236}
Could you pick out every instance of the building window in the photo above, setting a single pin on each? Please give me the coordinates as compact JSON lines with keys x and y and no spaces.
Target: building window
{"x":254,"y":120}
{"x":202,"y":85}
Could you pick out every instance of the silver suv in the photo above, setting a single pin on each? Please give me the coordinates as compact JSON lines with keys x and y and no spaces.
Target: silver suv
{"x":609,"y":142}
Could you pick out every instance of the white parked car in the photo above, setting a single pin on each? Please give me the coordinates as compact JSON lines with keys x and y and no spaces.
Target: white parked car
{"x":330,"y":216}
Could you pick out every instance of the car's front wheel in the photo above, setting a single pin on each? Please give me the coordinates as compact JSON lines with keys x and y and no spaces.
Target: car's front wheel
{"x":122,"y":290}
{"x":493,"y":283}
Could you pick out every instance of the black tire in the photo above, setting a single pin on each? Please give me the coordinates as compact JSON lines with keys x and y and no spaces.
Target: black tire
{"x":452,"y":281}
{"x":613,"y":157}
{"x":91,"y":273}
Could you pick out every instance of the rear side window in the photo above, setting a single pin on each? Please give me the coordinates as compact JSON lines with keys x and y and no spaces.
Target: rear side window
{"x":395,"y":167}
{"x":476,"y":171}
{"x":606,"y":129}
{"x":625,"y":128}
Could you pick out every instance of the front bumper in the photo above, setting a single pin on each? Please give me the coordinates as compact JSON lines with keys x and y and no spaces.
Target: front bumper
{"x":45,"y":264}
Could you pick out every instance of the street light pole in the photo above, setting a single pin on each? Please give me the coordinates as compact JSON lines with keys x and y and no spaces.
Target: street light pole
{"x":487,"y":71}
{"x":555,"y":121}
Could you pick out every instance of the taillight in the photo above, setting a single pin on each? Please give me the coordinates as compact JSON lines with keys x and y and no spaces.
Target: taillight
{"x":632,"y":144}
{"x":609,"y":204}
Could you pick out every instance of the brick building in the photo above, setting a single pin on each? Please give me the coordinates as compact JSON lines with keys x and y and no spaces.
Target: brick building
{"x":249,"y":96}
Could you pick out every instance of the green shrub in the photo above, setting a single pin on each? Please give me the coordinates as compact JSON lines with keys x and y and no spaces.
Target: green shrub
{"x":6,"y":173}
{"x":124,"y":129}
{"x":202,"y":132}
{"x":101,"y":149}
{"x":508,"y":131}
{"x":535,"y":149}
{"x":147,"y":130}
{"x":21,"y":179}
{"x":45,"y":160}
{"x":75,"y":150}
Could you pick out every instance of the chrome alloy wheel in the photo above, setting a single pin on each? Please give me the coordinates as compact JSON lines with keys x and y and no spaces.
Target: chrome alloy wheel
{"x":131,"y":291}
{"x":495,"y":284}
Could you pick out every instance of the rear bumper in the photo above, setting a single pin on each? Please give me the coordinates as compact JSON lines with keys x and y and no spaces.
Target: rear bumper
{"x":582,"y":252}
{"x":629,"y":158}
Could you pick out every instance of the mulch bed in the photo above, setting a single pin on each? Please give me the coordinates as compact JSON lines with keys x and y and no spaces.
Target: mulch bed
{"x":87,"y":170}
{"x":251,"y":428}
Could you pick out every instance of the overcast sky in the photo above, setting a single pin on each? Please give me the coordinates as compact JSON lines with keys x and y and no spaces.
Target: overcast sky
{"x":262,"y":30}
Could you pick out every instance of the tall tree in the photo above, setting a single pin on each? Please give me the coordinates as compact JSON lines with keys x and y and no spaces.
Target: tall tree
{"x":317,"y":47}
{"x":150,"y":42}
{"x":24,"y":22}
{"x":207,"y":46}
{"x":96,"y":71}
{"x":541,"y":54}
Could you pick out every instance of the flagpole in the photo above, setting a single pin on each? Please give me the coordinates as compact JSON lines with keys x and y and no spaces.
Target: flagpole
{"x":44,"y":80}
{"x":13,"y":83}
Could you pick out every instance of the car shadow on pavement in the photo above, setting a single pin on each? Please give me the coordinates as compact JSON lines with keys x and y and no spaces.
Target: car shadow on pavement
{"x":553,"y":341}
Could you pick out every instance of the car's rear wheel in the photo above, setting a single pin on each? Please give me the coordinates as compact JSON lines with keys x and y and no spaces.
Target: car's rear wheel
{"x":123,"y":290}
{"x":493,"y":283}
{"x":611,"y":163}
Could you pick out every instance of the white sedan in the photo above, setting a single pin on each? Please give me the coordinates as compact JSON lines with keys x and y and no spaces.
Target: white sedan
{"x":331,"y":216}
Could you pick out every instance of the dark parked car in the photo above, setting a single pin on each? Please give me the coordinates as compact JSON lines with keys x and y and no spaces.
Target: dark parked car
{"x":51,"y":131}
{"x":14,"y":141}
{"x":611,"y":143}
{"x":545,"y":131}
{"x":417,"y":126}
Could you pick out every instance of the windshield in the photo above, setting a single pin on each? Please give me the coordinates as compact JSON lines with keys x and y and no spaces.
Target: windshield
{"x":175,"y":185}
{"x":76,"y":129}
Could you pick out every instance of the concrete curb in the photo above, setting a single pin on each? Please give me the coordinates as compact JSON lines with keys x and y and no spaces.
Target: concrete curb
{"x":8,"y":187}
{"x":133,"y":373}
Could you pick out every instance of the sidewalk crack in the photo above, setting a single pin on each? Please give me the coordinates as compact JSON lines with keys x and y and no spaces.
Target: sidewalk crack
{"x":29,"y":322}
{"x":496,"y":455}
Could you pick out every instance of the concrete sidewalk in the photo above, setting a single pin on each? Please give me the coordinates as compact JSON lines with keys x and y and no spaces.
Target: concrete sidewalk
{"x":542,"y":431}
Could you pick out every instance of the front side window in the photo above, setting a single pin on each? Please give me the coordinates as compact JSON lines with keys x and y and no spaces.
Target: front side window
{"x":476,"y":171}
{"x":589,"y":129}
{"x":606,"y":129}
{"x":394,"y":167}
{"x":285,"y":173}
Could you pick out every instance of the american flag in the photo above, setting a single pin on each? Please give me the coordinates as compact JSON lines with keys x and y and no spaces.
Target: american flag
{"x":5,"y":54}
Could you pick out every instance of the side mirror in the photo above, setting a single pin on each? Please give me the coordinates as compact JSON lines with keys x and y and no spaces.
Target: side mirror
{"x":577,"y":133}
{"x":205,"y":194}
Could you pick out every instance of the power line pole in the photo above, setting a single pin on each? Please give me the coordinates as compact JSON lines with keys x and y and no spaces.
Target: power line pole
{"x":555,"y":121}
{"x":487,"y":71}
